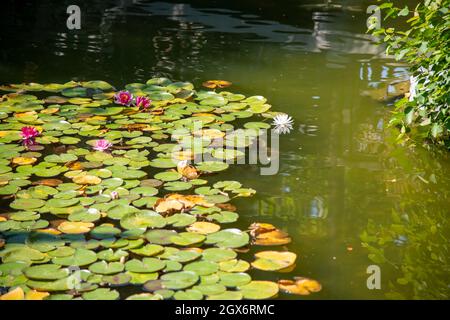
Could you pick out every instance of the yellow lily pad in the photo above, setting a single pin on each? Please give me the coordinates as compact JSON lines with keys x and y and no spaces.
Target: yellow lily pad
{"x":203,"y":227}
{"x":72,"y":227}
{"x":274,"y":260}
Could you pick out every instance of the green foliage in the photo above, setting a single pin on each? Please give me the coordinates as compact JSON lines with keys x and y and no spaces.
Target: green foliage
{"x":424,"y":45}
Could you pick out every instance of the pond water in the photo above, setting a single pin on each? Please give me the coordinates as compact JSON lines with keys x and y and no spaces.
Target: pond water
{"x":343,"y":179}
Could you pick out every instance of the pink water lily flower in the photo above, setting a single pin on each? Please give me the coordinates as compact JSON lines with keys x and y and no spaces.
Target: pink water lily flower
{"x":28,"y":135}
{"x":114,"y":195}
{"x":123,"y":97}
{"x":102,"y":145}
{"x":143,"y":102}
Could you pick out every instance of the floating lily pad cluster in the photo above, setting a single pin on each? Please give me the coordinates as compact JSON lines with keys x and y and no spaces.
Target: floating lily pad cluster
{"x":81,"y":218}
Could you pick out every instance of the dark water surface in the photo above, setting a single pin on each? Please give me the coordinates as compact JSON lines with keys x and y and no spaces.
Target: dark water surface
{"x":342,"y":174}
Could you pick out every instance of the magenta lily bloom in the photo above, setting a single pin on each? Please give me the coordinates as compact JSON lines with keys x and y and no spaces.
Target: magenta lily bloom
{"x":102,"y":145}
{"x":124,"y":98}
{"x":28,"y":135}
{"x":143,"y":102}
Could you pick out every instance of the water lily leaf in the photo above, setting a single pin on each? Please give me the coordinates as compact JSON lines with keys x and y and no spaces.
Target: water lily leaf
{"x":24,"y":216}
{"x":168,"y":176}
{"x":146,"y":265}
{"x":228,"y":238}
{"x":36,"y":295}
{"x":258,"y":290}
{"x":211,"y":289}
{"x":85,"y":215}
{"x":50,"y":286}
{"x":301,"y":286}
{"x":86,"y":179}
{"x":234,"y":265}
{"x":142,"y":219}
{"x":97,"y":84}
{"x":148,"y":250}
{"x":145,"y":296}
{"x":13,"y":268}
{"x":24,"y":204}
{"x":9,"y":189}
{"x":234,"y":279}
{"x":103,"y":267}
{"x":62,"y":252}
{"x":22,"y":161}
{"x":14,"y":294}
{"x":74,"y":92}
{"x":162,"y":236}
{"x":75,"y":227}
{"x":60,"y":297}
{"x":227,"y":295}
{"x":141,"y":278}
{"x":272,"y":238}
{"x":144,"y":191}
{"x":105,"y":231}
{"x":116,"y":280}
{"x":180,"y":220}
{"x":202,"y":268}
{"x":61,"y":158}
{"x":183,"y":256}
{"x":173,"y":266}
{"x":46,"y":272}
{"x":111,"y":255}
{"x":24,"y":254}
{"x":81,"y":257}
{"x":224,"y":217}
{"x":177,"y":186}
{"x":179,"y":280}
{"x":187,"y":238}
{"x":273,"y":260}
{"x":62,"y":203}
{"x":203,"y":227}
{"x":101,"y":294}
{"x":218,"y":254}
{"x":189,"y":294}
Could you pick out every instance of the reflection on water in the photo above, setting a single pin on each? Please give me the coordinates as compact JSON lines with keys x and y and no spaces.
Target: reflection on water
{"x":343,"y":179}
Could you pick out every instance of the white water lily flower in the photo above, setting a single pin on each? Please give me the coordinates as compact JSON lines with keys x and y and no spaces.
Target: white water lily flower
{"x":283,"y":123}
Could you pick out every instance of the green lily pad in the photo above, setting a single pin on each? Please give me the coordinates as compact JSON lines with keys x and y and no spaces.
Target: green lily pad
{"x":146,"y":265}
{"x":142,"y":219}
{"x":189,"y":294}
{"x":50,"y":286}
{"x":234,"y":279}
{"x":180,"y":220}
{"x":179,"y":280}
{"x":46,"y":272}
{"x":227,"y":295}
{"x":162,"y":236}
{"x":101,"y":294}
{"x":24,"y":204}
{"x":168,"y":176}
{"x":228,"y":238}
{"x":148,"y":250}
{"x":81,"y":257}
{"x":202,"y":268}
{"x":141,"y":278}
{"x":187,"y":238}
{"x":111,"y":255}
{"x":177,"y":186}
{"x":116,"y":280}
{"x":103,"y":267}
